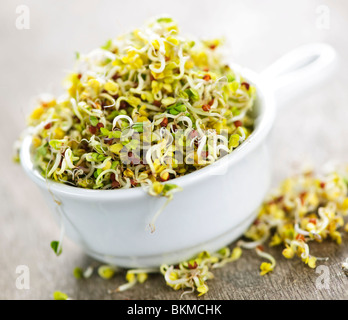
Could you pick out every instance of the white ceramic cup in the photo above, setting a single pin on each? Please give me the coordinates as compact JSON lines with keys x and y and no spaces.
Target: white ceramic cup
{"x":216,"y":205}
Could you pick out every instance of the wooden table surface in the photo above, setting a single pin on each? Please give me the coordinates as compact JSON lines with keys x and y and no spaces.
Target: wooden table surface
{"x":311,"y":127}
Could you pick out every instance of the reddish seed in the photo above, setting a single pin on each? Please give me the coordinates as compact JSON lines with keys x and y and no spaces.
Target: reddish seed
{"x":84,"y":145}
{"x":302,"y":195}
{"x":212,"y":47}
{"x":322,"y":185}
{"x":238,"y":123}
{"x":313,"y":220}
{"x":116,"y":76}
{"x":300,"y":237}
{"x":123,"y":105}
{"x":193,"y":134}
{"x":112,"y":177}
{"x":279,"y":199}
{"x":164,"y":122}
{"x":108,"y":141}
{"x":157,"y":103}
{"x":206,"y":107}
{"x":211,"y":102}
{"x":261,"y":248}
{"x":205,"y":69}
{"x":174,"y":128}
{"x":79,"y":76}
{"x":246,"y":85}
{"x":48,"y":126}
{"x":61,"y":160}
{"x":167,"y":59}
{"x":207,"y":77}
{"x":133,"y":182}
{"x":256,"y":222}
{"x":100,"y":125}
{"x":205,"y":154}
{"x":92,"y":129}
{"x":76,"y":119}
{"x":191,"y":267}
{"x":115,"y":184}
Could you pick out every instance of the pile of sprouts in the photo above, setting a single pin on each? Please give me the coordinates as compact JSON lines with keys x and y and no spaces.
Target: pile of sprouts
{"x":144,"y":108}
{"x":304,"y":208}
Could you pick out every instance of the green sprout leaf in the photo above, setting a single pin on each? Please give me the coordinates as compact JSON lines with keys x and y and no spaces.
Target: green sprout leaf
{"x":107,"y":45}
{"x":106,"y":272}
{"x":78,"y":273}
{"x":56,"y":144}
{"x":138,"y":127}
{"x":57,"y":295}
{"x":94,"y":121}
{"x":166,"y":20}
{"x":55,"y":246}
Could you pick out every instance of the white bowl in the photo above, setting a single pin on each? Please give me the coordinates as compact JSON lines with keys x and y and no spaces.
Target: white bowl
{"x":216,"y":205}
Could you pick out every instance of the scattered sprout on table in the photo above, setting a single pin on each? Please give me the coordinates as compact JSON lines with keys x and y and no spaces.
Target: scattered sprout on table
{"x":107,"y":272}
{"x":307,"y":207}
{"x":193,"y":274}
{"x":57,"y":295}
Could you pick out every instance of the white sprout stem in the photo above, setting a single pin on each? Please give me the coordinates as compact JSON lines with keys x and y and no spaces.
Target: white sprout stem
{"x":325,"y":220}
{"x":162,"y":66}
{"x":116,"y":119}
{"x":104,"y":173}
{"x":158,"y":213}
{"x":145,"y":270}
{"x":302,"y":245}
{"x":173,"y":282}
{"x":56,"y":164}
{"x":126,"y":286}
{"x":103,"y":164}
{"x":61,"y":236}
{"x":252,"y":244}
{"x":76,"y":110}
{"x":67,"y":157}
{"x":266,"y":256}
{"x":182,"y":64}
{"x":301,"y":231}
{"x":110,"y":98}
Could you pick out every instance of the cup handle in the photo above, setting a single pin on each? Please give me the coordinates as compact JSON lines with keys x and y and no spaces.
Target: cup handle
{"x":300,"y":68}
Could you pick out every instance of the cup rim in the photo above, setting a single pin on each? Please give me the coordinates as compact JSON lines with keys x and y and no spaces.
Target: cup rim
{"x":265,"y":119}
